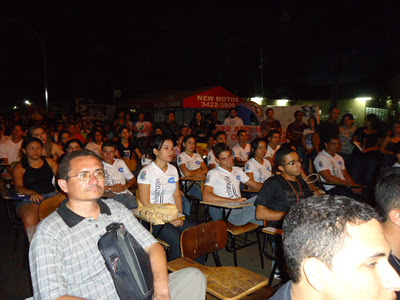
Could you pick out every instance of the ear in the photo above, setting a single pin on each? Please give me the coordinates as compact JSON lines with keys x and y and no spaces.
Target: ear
{"x":155,"y":151}
{"x":23,"y":150}
{"x":281,"y":168}
{"x":316,"y":273}
{"x":394,"y":216}
{"x":62,"y":183}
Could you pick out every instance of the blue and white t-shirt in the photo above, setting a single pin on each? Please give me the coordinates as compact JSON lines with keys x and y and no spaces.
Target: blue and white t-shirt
{"x":192,"y":163}
{"x":163,"y":185}
{"x":335,"y":164}
{"x":117,"y":173}
{"x":225,"y":183}
{"x":261,"y":172}
{"x":240,"y":153}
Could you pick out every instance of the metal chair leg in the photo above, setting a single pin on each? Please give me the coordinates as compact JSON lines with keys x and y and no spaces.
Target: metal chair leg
{"x":260,"y":248}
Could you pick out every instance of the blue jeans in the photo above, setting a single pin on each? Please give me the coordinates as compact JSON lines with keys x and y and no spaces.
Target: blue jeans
{"x":45,"y":196}
{"x":126,"y":199}
{"x":242,"y":216}
{"x":186,"y":203}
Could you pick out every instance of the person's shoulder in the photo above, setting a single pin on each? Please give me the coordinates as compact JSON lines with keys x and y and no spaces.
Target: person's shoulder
{"x":284,"y":292}
{"x":214,"y":171}
{"x":52,"y":225}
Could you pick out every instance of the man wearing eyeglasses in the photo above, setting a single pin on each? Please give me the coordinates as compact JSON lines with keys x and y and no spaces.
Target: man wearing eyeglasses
{"x":280,"y":192}
{"x":65,"y":261}
{"x":330,"y":166}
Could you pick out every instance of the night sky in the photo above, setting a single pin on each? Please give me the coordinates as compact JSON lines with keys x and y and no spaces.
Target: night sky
{"x":96,"y":46}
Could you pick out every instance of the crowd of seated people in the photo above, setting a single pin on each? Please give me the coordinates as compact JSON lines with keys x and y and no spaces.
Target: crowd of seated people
{"x":347,"y":160}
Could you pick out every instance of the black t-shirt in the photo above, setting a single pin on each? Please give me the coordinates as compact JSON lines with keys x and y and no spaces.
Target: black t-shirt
{"x":277,"y":194}
{"x":395,"y":264}
{"x":128,"y":152}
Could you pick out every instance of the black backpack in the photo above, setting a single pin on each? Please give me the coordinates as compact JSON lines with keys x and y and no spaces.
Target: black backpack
{"x":127,"y":262}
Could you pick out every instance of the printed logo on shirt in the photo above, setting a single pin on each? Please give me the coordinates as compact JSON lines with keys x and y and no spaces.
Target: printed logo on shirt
{"x":121,"y":169}
{"x":247,"y":167}
{"x":198,"y":162}
{"x":238,"y":177}
{"x":320,"y":164}
{"x":268,"y":169}
{"x":340,"y":162}
{"x":179,"y":159}
{"x":208,"y":179}
{"x":171,"y":180}
{"x":143,"y":175}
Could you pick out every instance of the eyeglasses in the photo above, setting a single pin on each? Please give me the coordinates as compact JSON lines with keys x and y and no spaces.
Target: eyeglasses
{"x":85,"y":176}
{"x":293,"y":162}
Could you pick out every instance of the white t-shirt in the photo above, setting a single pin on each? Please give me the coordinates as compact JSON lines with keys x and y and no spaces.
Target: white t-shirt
{"x":261,"y":172}
{"x":226,"y":184}
{"x":92,"y":146}
{"x":236,"y":121}
{"x":335,"y":164}
{"x":10,"y":150}
{"x":145,"y":161}
{"x":192,"y":163}
{"x":240,"y":153}
{"x":211,"y":159}
{"x":396,"y":165}
{"x":117,"y":173}
{"x":145,"y":126}
{"x":162,"y":185}
{"x":271,"y":152}
{"x":308,"y":133}
{"x":4,"y":138}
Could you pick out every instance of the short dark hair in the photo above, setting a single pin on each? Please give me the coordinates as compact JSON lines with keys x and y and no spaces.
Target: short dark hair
{"x":329,"y":138}
{"x":218,"y":133}
{"x":74,"y":141}
{"x":387,"y":192}
{"x":332,"y":108}
{"x":316,"y":227}
{"x":219,"y":148}
{"x":296,"y":112}
{"x":65,"y":165}
{"x":272,"y":132}
{"x":281,"y":153}
{"x":108,"y":144}
{"x":240,"y":131}
{"x":269,"y":109}
{"x":29,"y":140}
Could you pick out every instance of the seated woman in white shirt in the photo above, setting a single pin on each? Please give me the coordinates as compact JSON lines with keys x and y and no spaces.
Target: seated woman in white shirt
{"x":158,"y":183}
{"x":97,"y":143}
{"x":257,"y":167}
{"x":191,"y":164}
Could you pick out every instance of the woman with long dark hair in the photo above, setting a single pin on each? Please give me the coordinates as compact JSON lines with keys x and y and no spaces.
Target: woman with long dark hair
{"x":159,"y":183}
{"x":346,"y":132}
{"x":33,"y":176}
{"x":366,"y":159}
{"x":198,"y":127}
{"x":191,"y":164}
{"x":50,"y":149}
{"x":257,"y":167}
